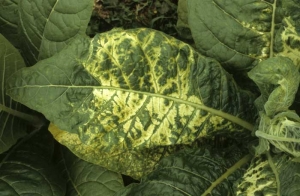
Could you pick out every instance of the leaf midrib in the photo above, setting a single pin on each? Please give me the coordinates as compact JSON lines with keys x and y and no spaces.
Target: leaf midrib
{"x":220,"y":113}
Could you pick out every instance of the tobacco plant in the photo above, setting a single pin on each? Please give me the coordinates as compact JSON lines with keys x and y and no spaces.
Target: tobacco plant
{"x":139,"y":112}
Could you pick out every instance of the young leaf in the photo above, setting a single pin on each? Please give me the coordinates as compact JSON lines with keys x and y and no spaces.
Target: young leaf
{"x":190,"y":172}
{"x":26,"y":169}
{"x":278,"y":81}
{"x":283,"y":131}
{"x":241,"y":33}
{"x":133,"y":90}
{"x":48,"y":26}
{"x":12,"y":128}
{"x":9,"y":18}
{"x":87,"y":179}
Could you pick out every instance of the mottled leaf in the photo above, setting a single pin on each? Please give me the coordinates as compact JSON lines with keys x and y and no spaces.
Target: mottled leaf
{"x":283,"y":131}
{"x":11,"y":127}
{"x":134,"y":163}
{"x":278,"y":80}
{"x":239,"y":34}
{"x":190,"y":172}
{"x":87,"y":179}
{"x":9,"y":18}
{"x":26,"y":169}
{"x":260,"y":179}
{"x":48,"y":26}
{"x":134,"y":90}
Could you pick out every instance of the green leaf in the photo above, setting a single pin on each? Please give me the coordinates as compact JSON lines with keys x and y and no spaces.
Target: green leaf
{"x":260,"y":178}
{"x":9,"y":18}
{"x":239,"y":34}
{"x":182,"y":26}
{"x":87,"y":179}
{"x":134,"y":90}
{"x":190,"y":172}
{"x":11,"y":127}
{"x":278,"y":81}
{"x":26,"y":169}
{"x":48,"y":26}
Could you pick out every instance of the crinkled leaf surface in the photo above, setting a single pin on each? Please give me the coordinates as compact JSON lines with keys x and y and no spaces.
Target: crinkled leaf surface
{"x":134,"y":163}
{"x":48,"y":26}
{"x":9,"y":18}
{"x":192,"y":172}
{"x":278,"y":80}
{"x":133,"y":90}
{"x":260,"y":179}
{"x":241,"y":33}
{"x":26,"y":169}
{"x":87,"y":179}
{"x":11,"y":127}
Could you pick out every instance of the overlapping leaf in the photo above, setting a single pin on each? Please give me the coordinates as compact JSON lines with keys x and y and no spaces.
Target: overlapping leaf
{"x":11,"y":127}
{"x":27,"y":170}
{"x":190,"y":172}
{"x":86,"y":179}
{"x":48,"y":26}
{"x":241,"y":33}
{"x":9,"y":18}
{"x":134,"y":90}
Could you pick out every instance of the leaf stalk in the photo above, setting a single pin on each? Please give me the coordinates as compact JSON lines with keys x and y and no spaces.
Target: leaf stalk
{"x":34,"y":120}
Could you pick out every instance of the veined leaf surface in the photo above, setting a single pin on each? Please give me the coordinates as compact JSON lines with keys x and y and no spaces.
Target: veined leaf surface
{"x":134,"y":89}
{"x":239,"y":34}
{"x":86,"y":179}
{"x":11,"y":127}
{"x":26,"y":169}
{"x":131,"y":162}
{"x":278,"y":81}
{"x":273,"y":176}
{"x":9,"y":18}
{"x":190,"y":172}
{"x":48,"y":26}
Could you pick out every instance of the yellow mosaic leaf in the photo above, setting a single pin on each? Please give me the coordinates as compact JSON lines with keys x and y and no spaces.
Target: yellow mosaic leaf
{"x":133,"y":91}
{"x":133,"y":163}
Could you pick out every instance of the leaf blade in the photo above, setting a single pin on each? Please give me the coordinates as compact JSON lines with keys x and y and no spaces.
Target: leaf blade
{"x":129,"y":91}
{"x":47,"y":27}
{"x":85,"y":178}
{"x":11,"y":127}
{"x":9,"y":20}
{"x":192,"y":172}
{"x":21,"y":173}
{"x":242,"y":33}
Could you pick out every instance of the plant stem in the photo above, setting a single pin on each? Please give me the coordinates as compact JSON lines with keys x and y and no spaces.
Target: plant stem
{"x":232,"y":169}
{"x":34,"y":120}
